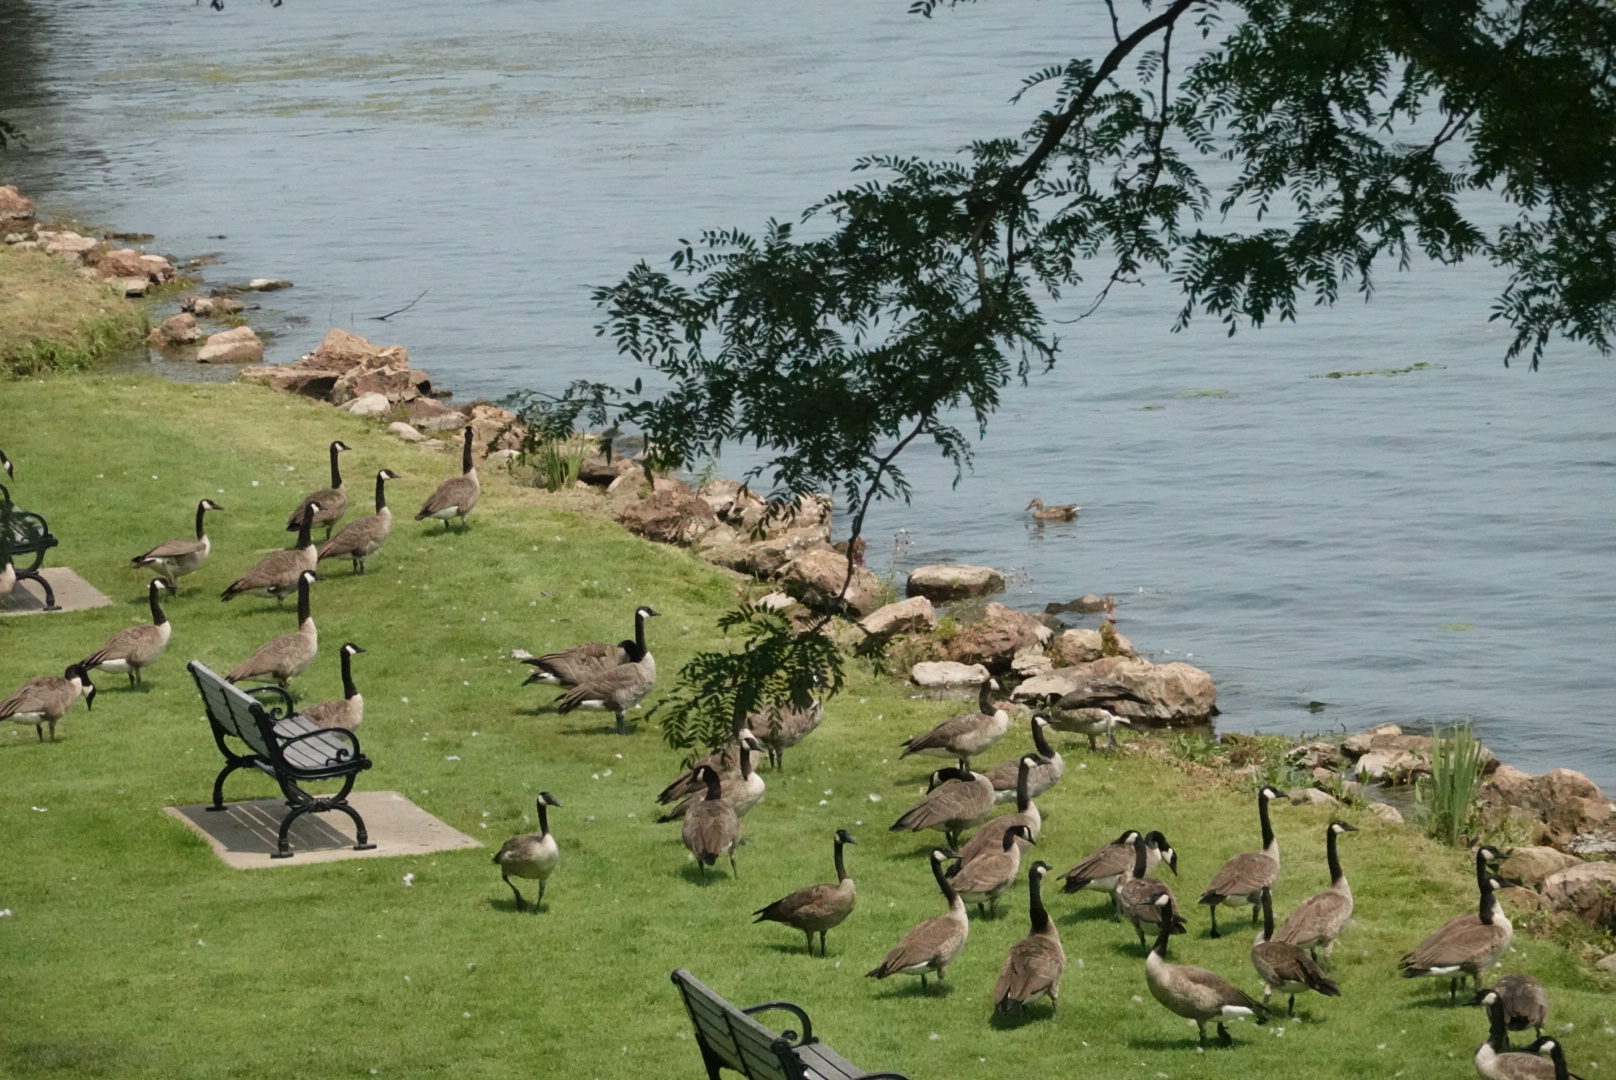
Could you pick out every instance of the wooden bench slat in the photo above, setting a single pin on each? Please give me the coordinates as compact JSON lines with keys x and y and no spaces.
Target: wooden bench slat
{"x":820,"y":1062}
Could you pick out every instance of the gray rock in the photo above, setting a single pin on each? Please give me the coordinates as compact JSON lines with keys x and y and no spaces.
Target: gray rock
{"x":1587,"y":890}
{"x":1535,"y":865}
{"x":405,"y":432}
{"x":1313,"y":797}
{"x":1386,"y":812}
{"x":948,"y":673}
{"x":942,"y":583}
{"x":372,"y":404}
{"x":904,"y":617}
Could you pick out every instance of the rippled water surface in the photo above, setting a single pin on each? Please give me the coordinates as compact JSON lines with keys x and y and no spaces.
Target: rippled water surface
{"x":1425,"y":546}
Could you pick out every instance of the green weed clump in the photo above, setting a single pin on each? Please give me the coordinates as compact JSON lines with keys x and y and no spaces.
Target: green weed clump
{"x":52,"y":320}
{"x":1448,"y":795}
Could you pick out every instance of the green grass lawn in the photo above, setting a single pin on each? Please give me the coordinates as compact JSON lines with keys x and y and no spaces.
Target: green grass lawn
{"x":131,"y":951}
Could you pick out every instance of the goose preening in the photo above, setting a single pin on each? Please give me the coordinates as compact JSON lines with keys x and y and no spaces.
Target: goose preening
{"x":134,"y":649}
{"x":347,"y":712}
{"x":958,"y":799}
{"x":1284,"y":967}
{"x":174,"y":559}
{"x":1494,"y":1061}
{"x":569,"y":667}
{"x":711,"y":826}
{"x":361,"y":539}
{"x":1063,"y":512}
{"x":990,"y":836}
{"x":329,"y":503}
{"x":1104,"y":868}
{"x":278,"y":573}
{"x":618,"y":688}
{"x":47,"y":699}
{"x":456,"y":496}
{"x":1556,"y":1054}
{"x":783,"y":724}
{"x":1466,"y":944}
{"x":1045,"y":774}
{"x":1317,"y":921}
{"x":985,"y":878}
{"x":1525,"y":1002}
{"x":1241,"y":879}
{"x":532,"y":856}
{"x":1193,"y":992}
{"x":282,"y":659}
{"x":935,"y":943}
{"x":818,"y":908}
{"x":963,"y":735}
{"x":1138,"y":894}
{"x":742,"y":791}
{"x":1034,"y":967}
{"x":1090,"y":710}
{"x":726,"y":759}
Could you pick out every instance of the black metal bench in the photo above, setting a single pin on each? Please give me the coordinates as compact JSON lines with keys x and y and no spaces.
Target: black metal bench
{"x":24,"y":533}
{"x":730,"y":1039}
{"x":288,"y":747}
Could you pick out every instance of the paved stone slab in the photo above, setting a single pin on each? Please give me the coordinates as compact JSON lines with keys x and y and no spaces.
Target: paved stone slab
{"x":73,"y":593}
{"x":244,"y":835}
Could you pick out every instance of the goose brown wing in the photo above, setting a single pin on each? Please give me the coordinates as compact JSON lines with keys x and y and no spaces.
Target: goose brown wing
{"x":169,"y":549}
{"x":276,"y":568}
{"x":623,"y":686}
{"x":1212,"y":984}
{"x":135,"y":642}
{"x":927,"y":943}
{"x":1138,"y":899}
{"x":1460,"y":940}
{"x":327,"y":714}
{"x":1109,"y":861}
{"x":333,"y":504}
{"x":35,"y":695}
{"x":990,"y":837}
{"x":282,"y":655}
{"x":710,"y":827}
{"x":785,"y":725}
{"x":356,"y":536}
{"x":1242,"y":876}
{"x":1034,"y":966}
{"x":579,"y":663}
{"x":943,"y":735}
{"x":1277,"y":963}
{"x":814,"y":904}
{"x":457,"y":491}
{"x":1318,"y":918}
{"x":953,"y":801}
{"x":725,"y":762}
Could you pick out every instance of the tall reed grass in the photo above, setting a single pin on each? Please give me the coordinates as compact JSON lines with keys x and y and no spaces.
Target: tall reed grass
{"x":1448,"y":795}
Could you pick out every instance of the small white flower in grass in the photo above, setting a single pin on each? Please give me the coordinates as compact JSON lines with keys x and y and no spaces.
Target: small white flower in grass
{"x":405,"y":700}
{"x":5,"y":913}
{"x":591,"y":817}
{"x":934,"y":1036}
{"x":824,"y":802}
{"x":1566,"y":1029}
{"x":451,"y":757}
{"x":482,"y":824}
{"x":1138,"y":1000}
{"x":409,"y":879}
{"x":466,"y":1015}
{"x":631,"y":815}
{"x":875,"y":796}
{"x":463,"y":682}
{"x":199,"y":941}
{"x":619,"y":757}
{"x":42,"y":809}
{"x":1279,"y":1033}
{"x":474,"y":734}
{"x":472,"y":966}
{"x":858,"y":822}
{"x":154,"y":476}
{"x":594,"y":776}
{"x":255,"y":483}
{"x":1382,"y":1046}
{"x":1080,"y":963}
{"x":406,"y":978}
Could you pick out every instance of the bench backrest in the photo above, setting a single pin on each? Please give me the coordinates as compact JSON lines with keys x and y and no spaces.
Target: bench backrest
{"x":232,"y":711}
{"x":744,"y":1044}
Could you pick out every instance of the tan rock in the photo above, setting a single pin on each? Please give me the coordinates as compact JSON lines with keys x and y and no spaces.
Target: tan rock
{"x":174,"y":331}
{"x":396,"y":384}
{"x":130,"y":286}
{"x":238,"y":345}
{"x":915,"y":614}
{"x":1587,"y":890}
{"x":1391,"y":766}
{"x":672,"y":483}
{"x":341,"y":351}
{"x":1046,"y":687}
{"x":1564,"y":802}
{"x":1313,"y":797}
{"x":291,"y":379}
{"x":943,"y":583}
{"x":261,"y":284}
{"x":995,"y":638}
{"x":430,"y":414}
{"x":368,"y":405}
{"x":766,"y":558}
{"x":129,"y":263}
{"x":1535,"y":865}
{"x":68,"y":245}
{"x":948,"y":673}
{"x":1608,"y":963}
{"x":197,"y":305}
{"x":718,"y":536}
{"x":1083,"y":646}
{"x":1318,"y":755}
{"x":1386,"y":812}
{"x":598,"y":472}
{"x":1084,"y":605}
{"x":668,"y":518}
{"x":1361,"y":742}
{"x":1515,"y":898}
{"x":405,"y":432}
{"x":817,"y":578}
{"x":1178,"y":693}
{"x":775,"y":601}
{"x":13,"y":205}
{"x":752,"y":516}
{"x":1028,"y":662}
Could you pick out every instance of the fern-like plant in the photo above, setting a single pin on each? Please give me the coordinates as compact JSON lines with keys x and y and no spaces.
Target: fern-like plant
{"x":1448,"y":795}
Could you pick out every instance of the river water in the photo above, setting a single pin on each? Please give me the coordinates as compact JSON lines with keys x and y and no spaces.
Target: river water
{"x":1419,"y":547}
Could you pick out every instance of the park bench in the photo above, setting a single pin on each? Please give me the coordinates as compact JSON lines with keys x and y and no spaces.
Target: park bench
{"x":25,"y":533}
{"x":729,"y":1038}
{"x":286,"y":746}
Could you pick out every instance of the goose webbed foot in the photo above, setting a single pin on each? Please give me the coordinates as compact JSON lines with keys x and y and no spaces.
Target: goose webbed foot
{"x":1224,"y":1039}
{"x":521,"y":904}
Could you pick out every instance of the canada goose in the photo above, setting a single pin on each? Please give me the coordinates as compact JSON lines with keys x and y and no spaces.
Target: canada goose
{"x":361,"y":539}
{"x":47,"y":699}
{"x":1283,"y":967}
{"x":138,"y":647}
{"x":1137,"y":893}
{"x":1089,"y":710}
{"x":1045,"y":774}
{"x":959,"y":799}
{"x":963,"y":735}
{"x":1526,"y":1003}
{"x":1064,"y":512}
{"x":742,"y":791}
{"x":347,"y":712}
{"x":1241,"y":879}
{"x":569,"y":667}
{"x":8,"y":571}
{"x":1556,"y":1053}
{"x":174,"y":559}
{"x":711,"y":827}
{"x":818,"y":908}
{"x":985,"y":878}
{"x":726,"y":759}
{"x":531,"y":856}
{"x":617,"y":688}
{"x":278,"y":573}
{"x":1318,"y":920}
{"x":1494,"y":1060}
{"x":1036,"y":962}
{"x":1466,"y":944}
{"x":281,"y":659}
{"x":935,"y":943}
{"x":990,"y":836}
{"x":783,"y":724}
{"x":1104,"y":868}
{"x":1192,"y":992}
{"x":456,"y":496}
{"x":329,"y":503}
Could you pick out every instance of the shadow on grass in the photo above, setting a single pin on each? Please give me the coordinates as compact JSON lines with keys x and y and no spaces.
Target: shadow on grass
{"x":507,"y":904}
{"x":911,"y":988}
{"x":1091,"y":913}
{"x":692,"y":873}
{"x":1020,"y":1018}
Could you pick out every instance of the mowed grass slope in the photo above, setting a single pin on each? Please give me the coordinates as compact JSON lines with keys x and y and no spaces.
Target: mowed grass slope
{"x":132,"y":951}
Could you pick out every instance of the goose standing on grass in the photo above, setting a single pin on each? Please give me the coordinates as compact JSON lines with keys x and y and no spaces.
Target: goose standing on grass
{"x":456,"y":496}
{"x":711,"y":826}
{"x":818,"y":908}
{"x":278,"y":573}
{"x":1046,"y":773}
{"x":134,"y":649}
{"x":1494,"y":1061}
{"x":963,"y":735}
{"x":1286,"y":968}
{"x":533,"y":856}
{"x":726,"y":759}
{"x":282,"y":659}
{"x":174,"y":559}
{"x":958,"y":799}
{"x":1137,"y":895}
{"x":1091,"y":710}
{"x":1466,"y":944}
{"x":985,"y":878}
{"x":990,"y":836}
{"x":329,"y":503}
{"x":935,"y":943}
{"x":361,"y":539}
{"x":569,"y":667}
{"x":617,"y":688}
{"x":1193,"y":992}
{"x":1063,"y":512}
{"x":347,"y":712}
{"x":742,"y":791}
{"x":1241,"y":879}
{"x":1317,"y":922}
{"x":1104,"y":868}
{"x":1036,"y":962}
{"x":1526,"y":1003}
{"x":47,"y":699}
{"x":784,"y":724}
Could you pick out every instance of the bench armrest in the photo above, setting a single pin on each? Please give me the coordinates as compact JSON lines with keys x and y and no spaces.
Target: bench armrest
{"x":276,"y":712}
{"x":786,"y":1006}
{"x":341,"y":732}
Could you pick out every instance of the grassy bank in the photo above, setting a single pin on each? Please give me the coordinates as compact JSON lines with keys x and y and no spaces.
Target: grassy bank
{"x":51,"y":319}
{"x":131,"y":951}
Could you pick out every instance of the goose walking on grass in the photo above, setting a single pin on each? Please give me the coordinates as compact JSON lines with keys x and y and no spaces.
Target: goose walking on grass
{"x":1046,"y":772}
{"x":173,"y":559}
{"x":617,"y":688}
{"x":329,"y":503}
{"x":1138,"y":894}
{"x":361,"y":539}
{"x":278,"y":573}
{"x":1318,"y":921}
{"x":1241,"y":879}
{"x":958,"y":799}
{"x":964,"y":735}
{"x":282,"y":659}
{"x":988,"y":838}
{"x":986,"y":878}
{"x":1062,"y":512}
{"x":133,"y":650}
{"x":1283,"y":967}
{"x":456,"y":496}
{"x":818,"y":908}
{"x":783,"y":724}
{"x":1036,"y":962}
{"x":742,"y":791}
{"x":349,"y":710}
{"x":1194,"y":992}
{"x":1495,"y":1061}
{"x":726,"y":759}
{"x":711,"y":826}
{"x":532,"y":856}
{"x":1091,"y":710}
{"x":1466,"y":944}
{"x":1525,"y":1002}
{"x":1104,"y":868}
{"x":47,"y":699}
{"x":569,"y":667}
{"x":935,"y":943}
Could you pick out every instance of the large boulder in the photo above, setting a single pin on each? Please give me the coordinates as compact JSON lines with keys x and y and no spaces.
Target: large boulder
{"x":598,"y":472}
{"x":174,"y":331}
{"x":494,"y":428}
{"x":1535,"y":865}
{"x":752,"y":516}
{"x":948,"y":673}
{"x":340,"y":351}
{"x":13,"y":205}
{"x":291,"y":379}
{"x":396,"y":384}
{"x":914,"y":615}
{"x":817,"y":576}
{"x":1084,"y":646}
{"x":206,"y":306}
{"x":995,"y":638}
{"x":668,"y":517}
{"x":1558,"y":805}
{"x":129,"y":263}
{"x":766,"y":558}
{"x":368,"y":405}
{"x":943,"y":583}
{"x":430,"y":414}
{"x":1177,"y":693}
{"x":1587,"y":890}
{"x":238,"y":345}
{"x":67,"y":245}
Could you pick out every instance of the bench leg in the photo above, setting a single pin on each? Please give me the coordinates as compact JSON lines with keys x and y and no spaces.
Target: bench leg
{"x":363,"y":838}
{"x":50,"y":593}
{"x":218,"y":786}
{"x":283,"y":850}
